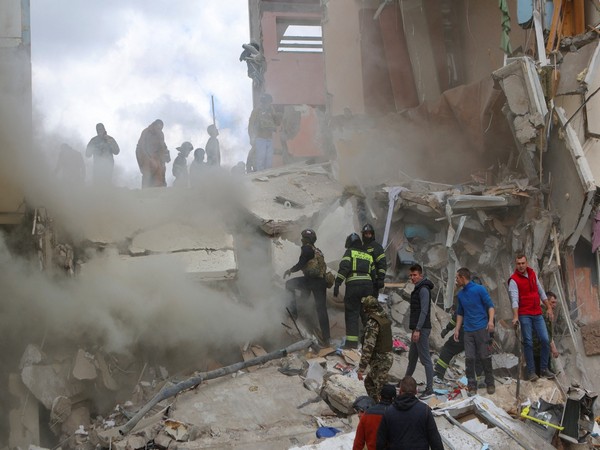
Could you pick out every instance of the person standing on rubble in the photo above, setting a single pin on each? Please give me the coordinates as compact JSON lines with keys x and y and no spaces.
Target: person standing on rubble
{"x":408,"y":423}
{"x":102,"y":147}
{"x":180,"y":169}
{"x":526,"y":294}
{"x":358,"y":272}
{"x":366,"y":431}
{"x":476,"y":313}
{"x":550,"y":327}
{"x":376,"y":347}
{"x":375,"y":249}
{"x":213,"y":148}
{"x":197,"y":168}
{"x":152,"y":155}
{"x":261,"y":126}
{"x":312,"y":264}
{"x":450,"y":349}
{"x":420,"y":325}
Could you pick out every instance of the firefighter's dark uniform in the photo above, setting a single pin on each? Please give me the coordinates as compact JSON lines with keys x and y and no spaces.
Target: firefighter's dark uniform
{"x":307,"y":285}
{"x":375,"y":249}
{"x":358,"y":272}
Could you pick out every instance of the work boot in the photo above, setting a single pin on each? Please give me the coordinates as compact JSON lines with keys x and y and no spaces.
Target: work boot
{"x":546,"y":373}
{"x":427,"y":393}
{"x":491,"y":389}
{"x":438,"y":380}
{"x":471,"y":391}
{"x":532,"y":377}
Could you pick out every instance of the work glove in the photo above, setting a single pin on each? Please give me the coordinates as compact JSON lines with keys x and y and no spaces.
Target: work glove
{"x":336,"y":290}
{"x":445,"y":331}
{"x":287,"y":273}
{"x":380,"y":284}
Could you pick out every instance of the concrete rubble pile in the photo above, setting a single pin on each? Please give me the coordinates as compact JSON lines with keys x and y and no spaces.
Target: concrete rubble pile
{"x":541,"y":200}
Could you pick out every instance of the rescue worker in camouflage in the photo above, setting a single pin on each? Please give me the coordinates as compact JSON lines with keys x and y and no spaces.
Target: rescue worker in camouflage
{"x":313,"y":267}
{"x":376,"y":348}
{"x":358,"y":272}
{"x":375,"y":249}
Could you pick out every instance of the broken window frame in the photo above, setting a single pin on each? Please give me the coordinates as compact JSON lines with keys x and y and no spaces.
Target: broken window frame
{"x":298,"y":42}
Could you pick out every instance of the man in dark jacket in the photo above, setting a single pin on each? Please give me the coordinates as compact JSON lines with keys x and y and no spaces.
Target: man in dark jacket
{"x":420,"y":324}
{"x":312,"y":265}
{"x":358,"y":272}
{"x":366,"y":432}
{"x":408,"y":424}
{"x":375,"y":249}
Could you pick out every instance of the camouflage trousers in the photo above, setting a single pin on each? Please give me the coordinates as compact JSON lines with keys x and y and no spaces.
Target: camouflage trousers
{"x":379,"y":366}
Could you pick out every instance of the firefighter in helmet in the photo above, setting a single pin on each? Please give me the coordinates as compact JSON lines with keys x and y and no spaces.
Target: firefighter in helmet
{"x":358,"y":272}
{"x":312,"y":264}
{"x":375,"y":249}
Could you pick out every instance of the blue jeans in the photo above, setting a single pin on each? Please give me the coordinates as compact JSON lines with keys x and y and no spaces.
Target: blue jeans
{"x":529,"y":323}
{"x":264,"y":153}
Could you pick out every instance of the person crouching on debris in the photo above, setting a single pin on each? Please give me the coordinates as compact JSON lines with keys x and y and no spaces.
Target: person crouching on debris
{"x":376,"y":348}
{"x":358,"y":272}
{"x":476,"y":313}
{"x":180,"y":169}
{"x":312,"y":264}
{"x":366,"y":432}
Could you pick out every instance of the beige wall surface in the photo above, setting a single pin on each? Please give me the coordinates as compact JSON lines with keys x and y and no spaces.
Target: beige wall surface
{"x":341,"y":43}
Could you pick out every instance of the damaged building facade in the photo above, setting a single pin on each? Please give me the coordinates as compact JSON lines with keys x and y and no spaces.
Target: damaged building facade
{"x":462,"y":131}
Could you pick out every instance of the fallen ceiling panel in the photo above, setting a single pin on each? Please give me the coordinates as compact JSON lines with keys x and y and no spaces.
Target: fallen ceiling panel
{"x":280,"y":199}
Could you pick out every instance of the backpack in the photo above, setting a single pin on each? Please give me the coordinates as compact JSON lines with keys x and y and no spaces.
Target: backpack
{"x":315,"y":267}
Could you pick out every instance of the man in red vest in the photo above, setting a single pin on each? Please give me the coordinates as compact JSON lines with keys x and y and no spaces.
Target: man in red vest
{"x":526,"y":295}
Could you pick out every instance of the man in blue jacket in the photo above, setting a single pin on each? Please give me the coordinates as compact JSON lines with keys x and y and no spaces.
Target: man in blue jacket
{"x":408,"y":424}
{"x":476,"y":313}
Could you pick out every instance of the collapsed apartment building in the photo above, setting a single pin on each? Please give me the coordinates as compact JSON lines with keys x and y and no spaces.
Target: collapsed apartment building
{"x":407,"y":114}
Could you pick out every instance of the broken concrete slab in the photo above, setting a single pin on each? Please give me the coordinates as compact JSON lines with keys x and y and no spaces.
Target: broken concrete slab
{"x":178,"y":237}
{"x":46,"y":382}
{"x":267,"y":411}
{"x":311,"y":186}
{"x":32,"y":355}
{"x":341,"y":391}
{"x":84,"y":367}
{"x":23,"y":415}
{"x":515,"y":434}
{"x":570,"y":170}
{"x":201,"y":265}
{"x":573,"y":69}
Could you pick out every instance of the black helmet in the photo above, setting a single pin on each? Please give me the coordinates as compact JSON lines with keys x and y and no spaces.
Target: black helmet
{"x":368,"y":228}
{"x":353,"y":241}
{"x":309,"y":235}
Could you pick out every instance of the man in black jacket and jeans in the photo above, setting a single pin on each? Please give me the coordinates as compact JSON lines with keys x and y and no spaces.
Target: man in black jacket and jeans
{"x":408,"y":424}
{"x":420,"y":325}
